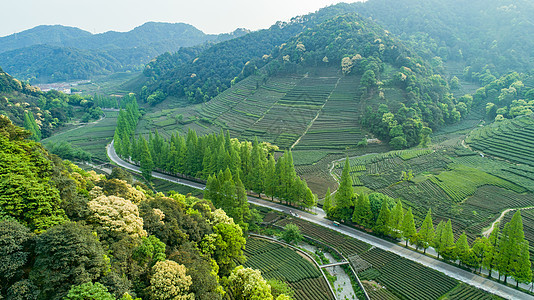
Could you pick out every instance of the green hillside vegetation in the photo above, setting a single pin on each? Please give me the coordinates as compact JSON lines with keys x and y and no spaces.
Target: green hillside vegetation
{"x":212,"y":71}
{"x":66,"y":233}
{"x":58,"y":53}
{"x":316,"y":90}
{"x":483,"y":35}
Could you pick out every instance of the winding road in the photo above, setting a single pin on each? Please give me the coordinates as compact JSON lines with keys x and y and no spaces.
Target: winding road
{"x":319,"y":219}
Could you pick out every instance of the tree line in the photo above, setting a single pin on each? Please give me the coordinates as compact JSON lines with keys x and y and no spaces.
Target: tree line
{"x":505,"y":251}
{"x":216,"y":158}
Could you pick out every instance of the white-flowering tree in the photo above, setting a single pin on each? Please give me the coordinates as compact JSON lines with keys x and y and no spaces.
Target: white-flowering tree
{"x":117,"y":214}
{"x":169,"y":281}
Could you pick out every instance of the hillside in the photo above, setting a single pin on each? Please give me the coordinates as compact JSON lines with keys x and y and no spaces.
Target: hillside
{"x":491,"y":37}
{"x":40,"y":54}
{"x":202,"y":75}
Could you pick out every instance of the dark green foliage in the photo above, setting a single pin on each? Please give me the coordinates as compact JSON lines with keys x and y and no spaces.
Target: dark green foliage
{"x":15,"y":246}
{"x":68,"y":254}
{"x":65,"y":150}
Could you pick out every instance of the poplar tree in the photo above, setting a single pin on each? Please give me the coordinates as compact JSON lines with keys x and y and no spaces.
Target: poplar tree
{"x":344,"y":192}
{"x":381,"y":225}
{"x":426,"y":232}
{"x":31,"y":125}
{"x":408,"y":227}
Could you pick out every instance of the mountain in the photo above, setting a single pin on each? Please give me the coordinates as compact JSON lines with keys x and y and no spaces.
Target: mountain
{"x":44,"y":34}
{"x":41,"y":54}
{"x":490,"y":37}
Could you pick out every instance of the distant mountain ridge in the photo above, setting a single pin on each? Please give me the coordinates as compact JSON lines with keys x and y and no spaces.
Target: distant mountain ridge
{"x":94,"y":54}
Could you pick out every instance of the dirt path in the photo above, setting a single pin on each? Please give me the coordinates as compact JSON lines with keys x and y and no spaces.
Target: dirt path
{"x":488,"y":231}
{"x":316,"y":116}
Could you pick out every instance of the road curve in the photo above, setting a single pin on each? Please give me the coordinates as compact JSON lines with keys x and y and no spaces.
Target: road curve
{"x":319,"y":219}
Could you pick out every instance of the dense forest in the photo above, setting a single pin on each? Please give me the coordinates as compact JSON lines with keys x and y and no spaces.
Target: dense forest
{"x":66,"y":233}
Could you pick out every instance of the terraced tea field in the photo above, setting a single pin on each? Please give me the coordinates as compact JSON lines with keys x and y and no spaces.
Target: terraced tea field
{"x":456,"y":183}
{"x":92,"y":137}
{"x":512,"y":140}
{"x":398,"y":277}
{"x":276,"y":261}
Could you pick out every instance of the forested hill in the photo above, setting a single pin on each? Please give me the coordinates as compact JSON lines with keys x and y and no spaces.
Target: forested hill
{"x":202,"y":74}
{"x":40,"y":54}
{"x":492,"y":36}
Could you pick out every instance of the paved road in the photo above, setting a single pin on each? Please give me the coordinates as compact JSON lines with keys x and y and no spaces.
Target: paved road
{"x":452,"y":271}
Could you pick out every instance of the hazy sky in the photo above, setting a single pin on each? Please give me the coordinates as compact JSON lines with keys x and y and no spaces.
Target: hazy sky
{"x":210,"y":16}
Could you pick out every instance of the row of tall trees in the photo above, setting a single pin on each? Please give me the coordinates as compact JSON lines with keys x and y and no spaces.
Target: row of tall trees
{"x":506,"y":251}
{"x":215,"y":154}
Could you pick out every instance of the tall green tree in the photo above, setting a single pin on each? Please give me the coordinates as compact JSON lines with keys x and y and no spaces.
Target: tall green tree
{"x":510,"y":245}
{"x":362,"y":211}
{"x":436,"y":242}
{"x":463,"y":251}
{"x":382,"y":222}
{"x":447,"y":242}
{"x":345,"y":191}
{"x":426,"y":232}
{"x":31,"y":125}
{"x":147,"y":165}
{"x":396,"y":219}
{"x":408,"y":227}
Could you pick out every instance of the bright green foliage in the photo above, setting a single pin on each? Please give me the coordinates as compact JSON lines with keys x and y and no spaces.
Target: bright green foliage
{"x":489,"y":259}
{"x":510,"y":259}
{"x":362,"y":211}
{"x":426,"y":232}
{"x":292,"y":234}
{"x":446,"y":247}
{"x":147,"y":165}
{"x":436,"y":242}
{"x":344,"y":194}
{"x":26,"y":192}
{"x":31,"y":126}
{"x":280,"y":289}
{"x":68,"y":254}
{"x":15,"y":240}
{"x":248,"y":284}
{"x":463,"y":251}
{"x":89,"y":291}
{"x":522,"y":271}
{"x":396,"y":219}
{"x":227,"y":246}
{"x":382,"y":222}
{"x":408,"y":227}
{"x":150,"y":251}
{"x":229,"y":195}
